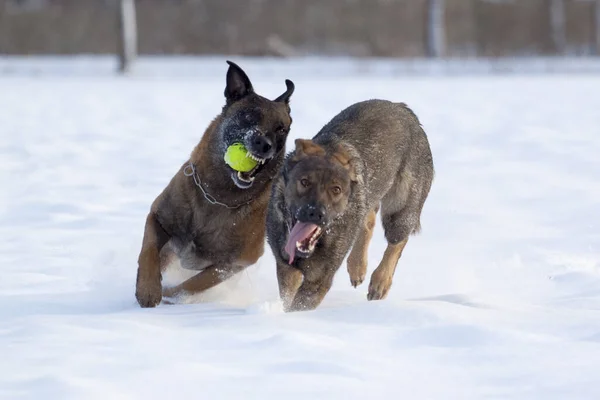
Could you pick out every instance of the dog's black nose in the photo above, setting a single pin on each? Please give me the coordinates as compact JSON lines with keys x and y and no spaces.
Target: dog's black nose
{"x":262,"y":145}
{"x":312,"y":213}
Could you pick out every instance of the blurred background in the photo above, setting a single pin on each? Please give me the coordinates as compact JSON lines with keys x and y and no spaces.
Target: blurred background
{"x":289,"y":28}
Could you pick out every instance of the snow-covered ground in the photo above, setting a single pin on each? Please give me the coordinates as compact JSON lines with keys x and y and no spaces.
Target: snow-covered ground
{"x":499,"y":297}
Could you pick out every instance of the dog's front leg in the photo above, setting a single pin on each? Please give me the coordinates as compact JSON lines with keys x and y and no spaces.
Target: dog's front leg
{"x":289,"y":280}
{"x":358,"y":258}
{"x":312,"y":291}
{"x":148,"y":291}
{"x":204,"y":280}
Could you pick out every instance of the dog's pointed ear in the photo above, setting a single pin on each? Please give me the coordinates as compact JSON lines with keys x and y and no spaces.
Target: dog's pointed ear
{"x":238,"y":84}
{"x":304,"y":148}
{"x":285,"y":97}
{"x":342,"y":157}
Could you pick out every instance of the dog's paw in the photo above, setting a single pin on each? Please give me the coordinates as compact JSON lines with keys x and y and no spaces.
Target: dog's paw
{"x":171,"y":295}
{"x":357,"y":282}
{"x":357,"y":272}
{"x":148,"y":295}
{"x":379,"y":287}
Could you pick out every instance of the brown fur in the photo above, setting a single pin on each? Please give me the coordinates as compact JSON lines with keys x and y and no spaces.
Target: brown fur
{"x":381,"y":279}
{"x":374,"y":155}
{"x":306,"y":148}
{"x":218,"y":240}
{"x":357,"y":260}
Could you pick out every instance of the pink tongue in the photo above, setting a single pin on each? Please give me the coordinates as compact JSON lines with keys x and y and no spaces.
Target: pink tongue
{"x":301,"y":231}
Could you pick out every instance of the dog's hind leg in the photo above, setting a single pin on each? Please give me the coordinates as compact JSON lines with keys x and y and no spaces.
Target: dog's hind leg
{"x":357,"y":260}
{"x":400,"y":215}
{"x":204,"y":280}
{"x":381,"y":280}
{"x":148,"y":291}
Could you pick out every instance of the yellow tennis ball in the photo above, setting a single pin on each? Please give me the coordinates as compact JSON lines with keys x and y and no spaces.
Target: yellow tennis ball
{"x":237,"y":158}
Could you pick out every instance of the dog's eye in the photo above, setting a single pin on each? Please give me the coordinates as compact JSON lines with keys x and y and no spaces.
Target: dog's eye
{"x":280,"y":130}
{"x":249,"y":117}
{"x":336,"y":190}
{"x":304,"y":182}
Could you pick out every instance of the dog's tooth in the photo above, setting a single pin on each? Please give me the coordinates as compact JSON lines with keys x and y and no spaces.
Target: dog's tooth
{"x":241,"y":177}
{"x":255,"y":158}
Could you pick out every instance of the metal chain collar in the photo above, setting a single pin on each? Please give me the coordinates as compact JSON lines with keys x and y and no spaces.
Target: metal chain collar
{"x":190,"y":170}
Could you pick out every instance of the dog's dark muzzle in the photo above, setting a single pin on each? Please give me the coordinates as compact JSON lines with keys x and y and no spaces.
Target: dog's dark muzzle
{"x":260,"y":146}
{"x":313,"y":214}
{"x":307,"y":226}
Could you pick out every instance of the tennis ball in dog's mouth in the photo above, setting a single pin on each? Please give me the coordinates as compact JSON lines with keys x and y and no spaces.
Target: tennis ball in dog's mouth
{"x":237,"y":158}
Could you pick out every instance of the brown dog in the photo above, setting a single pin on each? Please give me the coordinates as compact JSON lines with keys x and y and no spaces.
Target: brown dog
{"x":372,"y":155}
{"x":210,"y":216}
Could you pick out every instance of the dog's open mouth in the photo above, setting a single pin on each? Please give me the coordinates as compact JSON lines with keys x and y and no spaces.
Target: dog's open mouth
{"x":244,"y":180}
{"x":302,"y":240}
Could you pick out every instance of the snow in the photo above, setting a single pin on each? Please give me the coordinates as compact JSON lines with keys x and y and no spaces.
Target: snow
{"x":317,"y":67}
{"x":499,"y":297}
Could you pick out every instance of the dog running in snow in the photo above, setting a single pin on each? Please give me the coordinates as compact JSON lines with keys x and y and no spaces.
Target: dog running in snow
{"x":373,"y":155}
{"x":210,"y":216}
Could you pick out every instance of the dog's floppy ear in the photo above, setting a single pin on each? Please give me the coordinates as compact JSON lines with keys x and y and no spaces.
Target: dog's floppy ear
{"x":238,"y":84}
{"x":342,"y":157}
{"x":285,"y":97}
{"x":304,"y":148}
